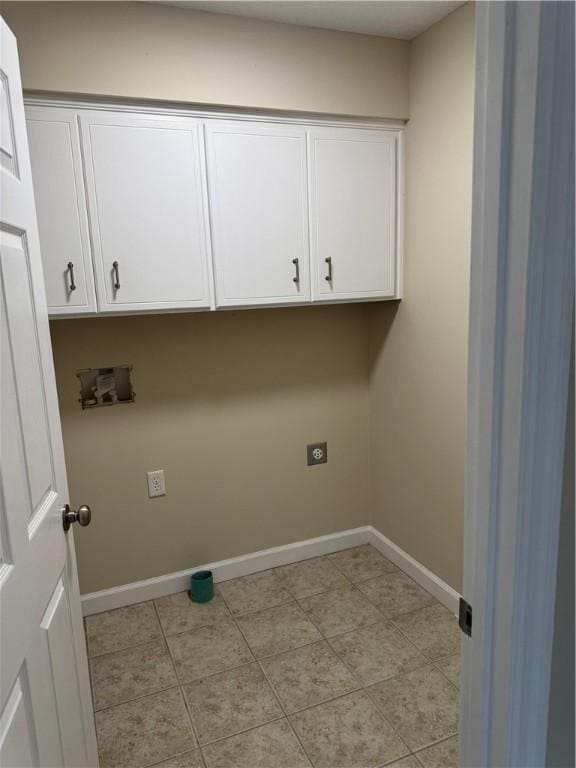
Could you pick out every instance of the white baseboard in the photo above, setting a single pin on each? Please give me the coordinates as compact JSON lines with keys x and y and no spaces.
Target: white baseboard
{"x":139,"y":591}
{"x":411,"y":567}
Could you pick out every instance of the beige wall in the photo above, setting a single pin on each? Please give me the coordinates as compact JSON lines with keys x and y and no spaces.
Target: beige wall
{"x":226,"y":403}
{"x":151,"y":51}
{"x":418,"y":348}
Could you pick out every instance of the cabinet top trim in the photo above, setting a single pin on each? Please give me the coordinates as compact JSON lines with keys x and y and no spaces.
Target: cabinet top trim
{"x":33,"y":99}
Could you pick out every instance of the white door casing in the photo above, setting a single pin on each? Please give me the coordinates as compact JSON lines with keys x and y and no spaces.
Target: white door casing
{"x":45,"y":707}
{"x":258,"y":210}
{"x":146,"y":203}
{"x":521,"y":328}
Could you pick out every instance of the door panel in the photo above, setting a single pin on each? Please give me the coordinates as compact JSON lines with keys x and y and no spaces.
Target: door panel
{"x":147,"y":211}
{"x":257,"y":183}
{"x":39,"y":693}
{"x":353,"y":213}
{"x":18,"y":747}
{"x":8,"y":157}
{"x":58,"y":632}
{"x":18,"y":316}
{"x":54,"y":141}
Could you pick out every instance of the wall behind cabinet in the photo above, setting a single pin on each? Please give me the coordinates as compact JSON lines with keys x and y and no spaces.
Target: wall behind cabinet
{"x":152,"y":51}
{"x":319,"y":390}
{"x":225,"y":403}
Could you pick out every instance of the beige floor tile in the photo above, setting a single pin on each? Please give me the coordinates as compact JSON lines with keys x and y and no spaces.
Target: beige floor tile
{"x":421,"y":705}
{"x":269,"y":746}
{"x":131,"y":673}
{"x":179,"y":614}
{"x":121,"y":628}
{"x":339,"y":611}
{"x":405,"y":762}
{"x":347,"y":733}
{"x":277,"y":629}
{"x":451,"y":668}
{"x":308,"y":676}
{"x":205,"y":651}
{"x":443,"y":755}
{"x":377,"y":652}
{"x":310,"y":577}
{"x":434,"y":630}
{"x":143,"y":732}
{"x":410,"y":661}
{"x":254,"y":593}
{"x":189,"y":760}
{"x":362,"y":563}
{"x":225,"y":704}
{"x":395,"y":594}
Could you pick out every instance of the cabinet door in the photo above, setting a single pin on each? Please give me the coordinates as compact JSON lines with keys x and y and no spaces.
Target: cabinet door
{"x":257,"y":184}
{"x":146,"y":204}
{"x":353,"y":190}
{"x":54,"y":144}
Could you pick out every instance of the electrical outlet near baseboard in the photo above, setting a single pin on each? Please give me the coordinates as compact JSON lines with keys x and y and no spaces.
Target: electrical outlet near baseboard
{"x":156,"y":483}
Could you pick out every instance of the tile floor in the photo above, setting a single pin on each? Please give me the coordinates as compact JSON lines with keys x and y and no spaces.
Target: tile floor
{"x":337,"y":662}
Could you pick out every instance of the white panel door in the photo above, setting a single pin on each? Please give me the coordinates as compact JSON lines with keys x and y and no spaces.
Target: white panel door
{"x":147,"y":211}
{"x":45,"y":707}
{"x":353,"y":191}
{"x":258,"y":205}
{"x":54,"y":141}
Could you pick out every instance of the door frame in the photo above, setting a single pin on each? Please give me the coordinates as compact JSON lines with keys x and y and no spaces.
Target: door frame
{"x":521,"y":328}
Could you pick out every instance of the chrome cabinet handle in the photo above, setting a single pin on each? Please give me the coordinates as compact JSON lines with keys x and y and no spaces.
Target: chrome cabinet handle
{"x":72,"y":286}
{"x":328,"y":277}
{"x":116,"y":275}
{"x":296,"y":278}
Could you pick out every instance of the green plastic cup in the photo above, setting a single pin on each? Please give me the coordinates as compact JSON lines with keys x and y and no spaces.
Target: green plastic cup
{"x":201,"y":586}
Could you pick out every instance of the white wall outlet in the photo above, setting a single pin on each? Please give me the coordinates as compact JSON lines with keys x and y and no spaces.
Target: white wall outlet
{"x":156,"y":484}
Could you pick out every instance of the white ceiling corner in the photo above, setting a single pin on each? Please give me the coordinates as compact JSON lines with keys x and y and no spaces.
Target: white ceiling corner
{"x":403,"y":19}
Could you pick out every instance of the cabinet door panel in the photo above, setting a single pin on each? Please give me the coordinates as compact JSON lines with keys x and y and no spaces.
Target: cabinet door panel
{"x":54,"y":144}
{"x":353,"y":183}
{"x":147,"y":211}
{"x":257,"y":184}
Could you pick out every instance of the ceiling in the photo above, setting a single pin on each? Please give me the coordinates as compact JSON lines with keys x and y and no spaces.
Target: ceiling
{"x":402,"y":19}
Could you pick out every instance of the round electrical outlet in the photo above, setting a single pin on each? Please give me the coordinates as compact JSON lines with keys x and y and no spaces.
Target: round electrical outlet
{"x":317,"y":453}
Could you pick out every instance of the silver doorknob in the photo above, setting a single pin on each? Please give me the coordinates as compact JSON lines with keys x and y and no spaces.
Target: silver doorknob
{"x":82,"y":515}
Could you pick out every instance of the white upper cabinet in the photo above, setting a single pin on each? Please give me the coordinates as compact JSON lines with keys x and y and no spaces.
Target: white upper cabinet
{"x":61,"y":209}
{"x":146,"y":200}
{"x":258,"y":207}
{"x":353,"y":213}
{"x":160,"y":210}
